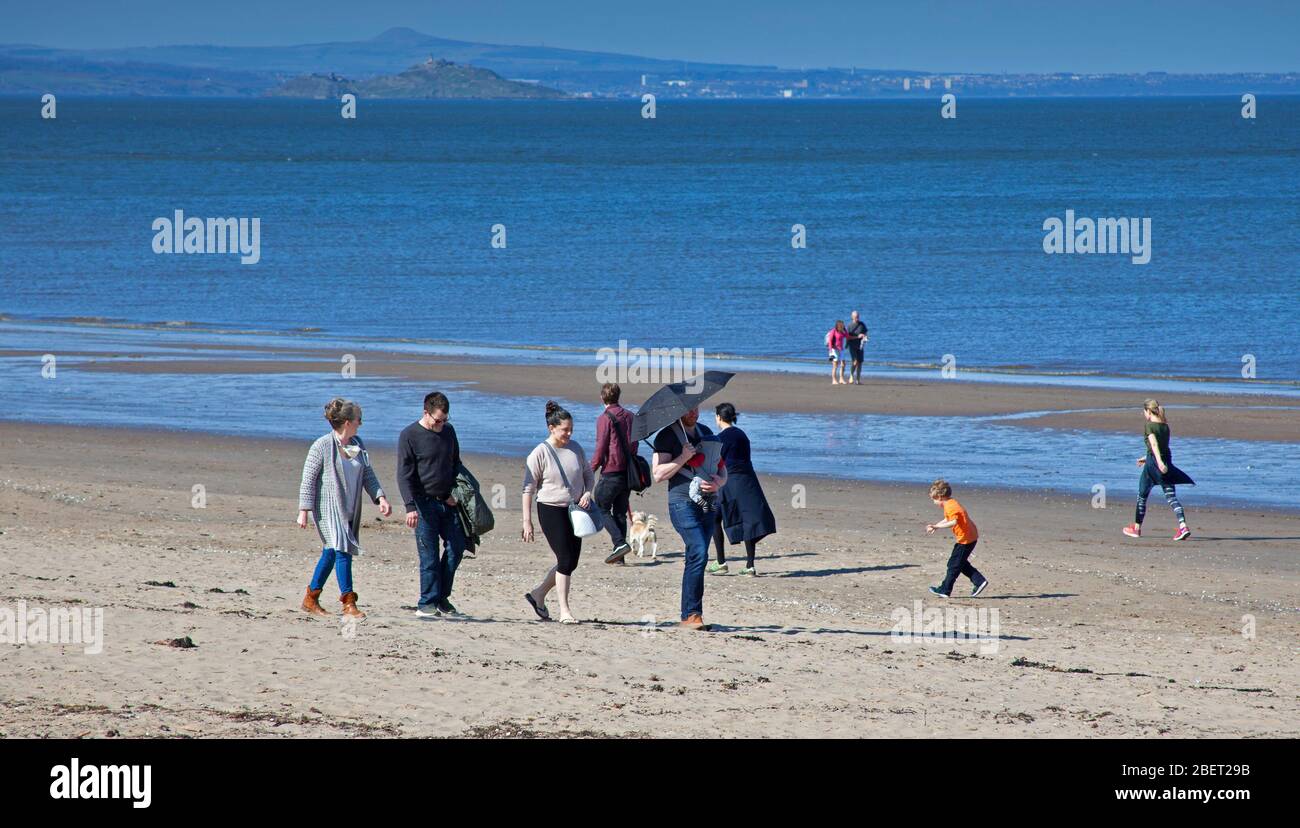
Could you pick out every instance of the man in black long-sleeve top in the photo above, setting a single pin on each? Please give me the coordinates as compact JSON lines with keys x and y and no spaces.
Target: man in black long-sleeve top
{"x":428,"y":455}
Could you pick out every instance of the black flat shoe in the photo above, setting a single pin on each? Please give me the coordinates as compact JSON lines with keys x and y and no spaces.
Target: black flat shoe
{"x":540,"y":609}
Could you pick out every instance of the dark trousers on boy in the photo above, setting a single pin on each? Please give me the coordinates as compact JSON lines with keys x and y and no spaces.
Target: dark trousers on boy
{"x":959,"y":564}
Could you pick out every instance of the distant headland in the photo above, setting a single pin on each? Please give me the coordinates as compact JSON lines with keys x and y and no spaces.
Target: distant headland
{"x":430,"y":79}
{"x":396,"y":63}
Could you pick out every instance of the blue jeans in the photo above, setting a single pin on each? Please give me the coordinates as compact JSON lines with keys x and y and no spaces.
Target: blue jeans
{"x":437,"y":520}
{"x":340,"y":562}
{"x":696,"y":528}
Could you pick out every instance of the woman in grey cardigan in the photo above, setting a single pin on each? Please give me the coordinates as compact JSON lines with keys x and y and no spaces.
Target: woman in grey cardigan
{"x":336,"y":471}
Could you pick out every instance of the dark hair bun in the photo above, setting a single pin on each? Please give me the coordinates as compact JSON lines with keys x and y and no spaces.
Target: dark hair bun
{"x":727,"y":412}
{"x":555,"y":414}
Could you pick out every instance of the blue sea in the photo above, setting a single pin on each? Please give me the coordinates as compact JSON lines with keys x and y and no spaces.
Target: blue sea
{"x":672,"y":232}
{"x":676,"y":231}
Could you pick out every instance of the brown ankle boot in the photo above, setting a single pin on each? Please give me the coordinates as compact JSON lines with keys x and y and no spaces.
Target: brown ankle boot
{"x":350,"y":606}
{"x":311,"y":603}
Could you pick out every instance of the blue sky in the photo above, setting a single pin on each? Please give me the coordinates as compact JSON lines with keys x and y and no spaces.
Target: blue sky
{"x":937,"y":35}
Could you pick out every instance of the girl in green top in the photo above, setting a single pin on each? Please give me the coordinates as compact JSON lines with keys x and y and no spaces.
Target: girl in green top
{"x":1158,"y":469}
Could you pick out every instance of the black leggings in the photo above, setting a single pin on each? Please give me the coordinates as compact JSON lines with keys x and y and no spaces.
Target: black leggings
{"x":1171,"y":495}
{"x":719,"y":540}
{"x":558,"y":530}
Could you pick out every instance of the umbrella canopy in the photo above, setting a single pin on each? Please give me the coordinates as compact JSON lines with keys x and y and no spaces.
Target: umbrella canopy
{"x":675,"y":399}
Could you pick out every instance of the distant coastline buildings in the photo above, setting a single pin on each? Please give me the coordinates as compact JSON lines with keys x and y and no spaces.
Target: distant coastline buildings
{"x":862,"y":83}
{"x":222,"y":71}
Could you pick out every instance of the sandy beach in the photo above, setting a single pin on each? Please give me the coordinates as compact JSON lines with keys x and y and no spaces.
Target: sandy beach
{"x":258,"y":265}
{"x":1098,"y":635}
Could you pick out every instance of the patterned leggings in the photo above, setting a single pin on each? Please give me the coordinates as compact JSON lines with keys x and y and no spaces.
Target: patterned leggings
{"x":1144,"y":488}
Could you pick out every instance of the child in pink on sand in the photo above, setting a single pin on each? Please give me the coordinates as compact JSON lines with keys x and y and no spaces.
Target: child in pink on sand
{"x":836,"y":338}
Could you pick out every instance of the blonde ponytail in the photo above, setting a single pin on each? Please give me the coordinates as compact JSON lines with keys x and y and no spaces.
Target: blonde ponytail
{"x":1155,"y":410}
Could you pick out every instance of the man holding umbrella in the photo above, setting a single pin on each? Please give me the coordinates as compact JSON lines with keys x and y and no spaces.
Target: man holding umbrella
{"x":674,"y":410}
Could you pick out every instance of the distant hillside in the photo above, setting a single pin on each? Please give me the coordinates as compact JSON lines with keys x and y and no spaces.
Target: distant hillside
{"x":304,"y":70}
{"x":80,"y":77}
{"x":430,"y":79}
{"x":388,"y":53}
{"x":316,"y":86}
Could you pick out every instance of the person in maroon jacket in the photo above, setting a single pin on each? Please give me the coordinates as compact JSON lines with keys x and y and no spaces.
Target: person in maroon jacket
{"x":612,"y":490}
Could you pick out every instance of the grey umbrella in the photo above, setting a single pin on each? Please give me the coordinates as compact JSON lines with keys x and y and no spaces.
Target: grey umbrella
{"x":675,"y":399}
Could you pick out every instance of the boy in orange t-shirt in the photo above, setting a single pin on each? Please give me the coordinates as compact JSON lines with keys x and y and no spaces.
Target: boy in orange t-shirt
{"x":967,"y":535}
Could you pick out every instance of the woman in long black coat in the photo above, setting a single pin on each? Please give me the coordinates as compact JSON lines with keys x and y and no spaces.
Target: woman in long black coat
{"x":744,"y":515}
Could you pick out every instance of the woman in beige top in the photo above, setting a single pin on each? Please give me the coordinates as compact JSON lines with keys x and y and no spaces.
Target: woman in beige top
{"x":546,"y":483}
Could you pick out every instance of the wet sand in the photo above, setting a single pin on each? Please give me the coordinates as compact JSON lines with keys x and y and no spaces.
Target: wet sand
{"x":1242,"y":416}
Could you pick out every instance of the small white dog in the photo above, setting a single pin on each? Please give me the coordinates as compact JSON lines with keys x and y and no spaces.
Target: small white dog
{"x":642,"y":532}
